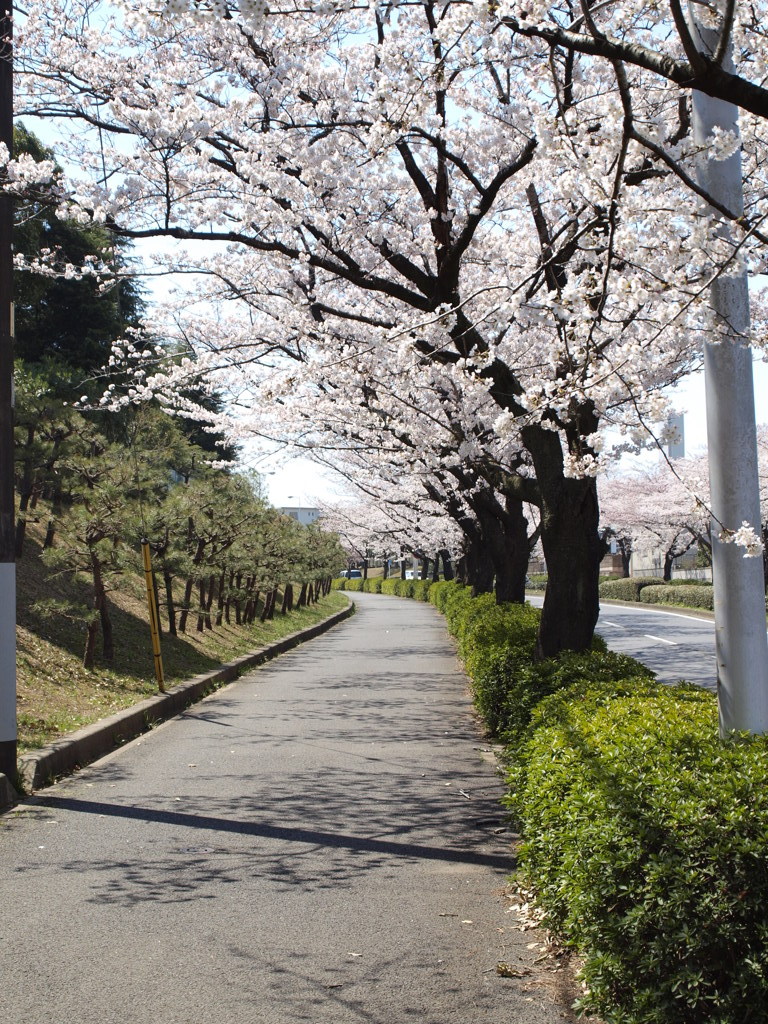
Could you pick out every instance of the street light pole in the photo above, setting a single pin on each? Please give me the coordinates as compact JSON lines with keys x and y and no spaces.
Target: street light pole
{"x":742,"y":650}
{"x":7,"y":505}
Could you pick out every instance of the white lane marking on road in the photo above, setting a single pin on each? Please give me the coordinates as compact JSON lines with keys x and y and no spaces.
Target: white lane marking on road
{"x":605,"y":622}
{"x":672,"y":643}
{"x":660,"y":611}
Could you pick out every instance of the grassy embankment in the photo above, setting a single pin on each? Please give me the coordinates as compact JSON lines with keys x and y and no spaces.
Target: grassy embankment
{"x":57,"y":695}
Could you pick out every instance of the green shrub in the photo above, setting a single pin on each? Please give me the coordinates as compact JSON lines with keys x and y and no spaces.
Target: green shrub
{"x":529,"y":683}
{"x":673,"y":593}
{"x":495,"y":641}
{"x":439,"y":593}
{"x":645,"y":843}
{"x":393,"y":585}
{"x":339,"y":584}
{"x":452,"y":599}
{"x":626,"y":589}
{"x":421,"y":589}
{"x":355,"y":585}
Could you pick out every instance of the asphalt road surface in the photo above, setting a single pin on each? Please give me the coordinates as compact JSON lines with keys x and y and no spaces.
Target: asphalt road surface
{"x":672,"y":644}
{"x":321,"y":841}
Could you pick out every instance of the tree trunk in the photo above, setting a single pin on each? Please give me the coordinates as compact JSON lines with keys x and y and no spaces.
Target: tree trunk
{"x":252,"y":601}
{"x":212,"y":581}
{"x":625,"y":551}
{"x":56,"y":503}
{"x":461,"y":569}
{"x":156,"y":592}
{"x":228,"y":602}
{"x":201,"y":606}
{"x":302,"y":596}
{"x":448,"y":573}
{"x":504,"y":533}
{"x":50,"y":534}
{"x":186,"y":603}
{"x":89,"y":655}
{"x":287,"y":599}
{"x":476,"y":564}
{"x":572,"y":550}
{"x":168,"y":582}
{"x":26,"y":487}
{"x":436,"y":568}
{"x":101,"y":604}
{"x":571,"y":541}
{"x":480,"y":568}
{"x":269,"y":605}
{"x":21,"y":527}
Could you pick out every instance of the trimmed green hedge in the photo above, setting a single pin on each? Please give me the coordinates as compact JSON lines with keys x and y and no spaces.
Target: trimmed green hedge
{"x":686,"y":595}
{"x":645,"y":843}
{"x":537,"y":581}
{"x":626,"y":589}
{"x":369,"y":586}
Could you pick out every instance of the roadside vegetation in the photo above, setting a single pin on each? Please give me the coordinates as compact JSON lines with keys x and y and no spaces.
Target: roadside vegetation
{"x":230,"y":572}
{"x":643,"y":834}
{"x":694,"y":594}
{"x":57,"y":695}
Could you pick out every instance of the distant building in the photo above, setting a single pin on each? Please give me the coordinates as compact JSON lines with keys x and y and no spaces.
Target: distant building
{"x":305,"y":516}
{"x":676,"y":446}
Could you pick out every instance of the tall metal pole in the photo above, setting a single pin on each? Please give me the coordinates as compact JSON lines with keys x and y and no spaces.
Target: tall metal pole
{"x":7,"y":508}
{"x":740,"y":626}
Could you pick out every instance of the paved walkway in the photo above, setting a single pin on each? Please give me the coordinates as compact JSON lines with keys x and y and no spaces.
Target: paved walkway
{"x":317,"y":842}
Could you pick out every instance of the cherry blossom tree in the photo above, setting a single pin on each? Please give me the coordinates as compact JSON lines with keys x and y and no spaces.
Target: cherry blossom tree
{"x":664,"y":507}
{"x":409,"y":185}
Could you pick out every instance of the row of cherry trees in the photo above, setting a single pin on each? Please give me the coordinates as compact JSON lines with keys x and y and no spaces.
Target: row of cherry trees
{"x":442,"y":245}
{"x":667,"y":508}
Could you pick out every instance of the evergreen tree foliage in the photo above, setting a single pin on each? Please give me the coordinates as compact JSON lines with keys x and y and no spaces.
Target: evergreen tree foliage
{"x":64,"y":319}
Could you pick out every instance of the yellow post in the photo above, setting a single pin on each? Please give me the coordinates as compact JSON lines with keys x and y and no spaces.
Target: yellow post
{"x":153,"y":617}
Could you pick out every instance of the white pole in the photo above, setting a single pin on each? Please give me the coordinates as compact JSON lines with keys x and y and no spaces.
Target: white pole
{"x":740,"y":624}
{"x":7,"y":508}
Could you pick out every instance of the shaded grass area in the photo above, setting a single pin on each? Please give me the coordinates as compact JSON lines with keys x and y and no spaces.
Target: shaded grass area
{"x":57,"y":695}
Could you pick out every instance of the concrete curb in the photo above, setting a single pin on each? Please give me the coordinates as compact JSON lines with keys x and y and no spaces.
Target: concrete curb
{"x":41,"y":767}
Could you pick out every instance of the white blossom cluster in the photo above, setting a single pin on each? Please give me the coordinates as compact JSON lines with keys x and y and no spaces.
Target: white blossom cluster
{"x":432,"y":243}
{"x":745,"y":537}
